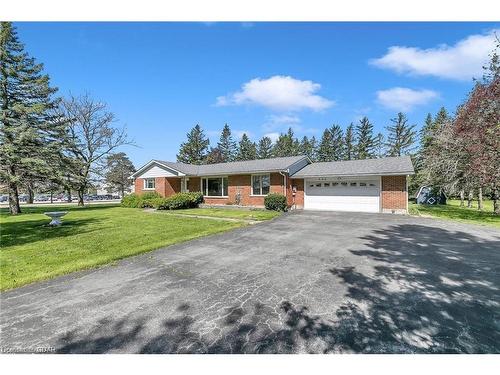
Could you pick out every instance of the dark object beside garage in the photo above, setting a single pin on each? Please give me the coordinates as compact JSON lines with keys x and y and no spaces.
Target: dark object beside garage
{"x":430,"y":195}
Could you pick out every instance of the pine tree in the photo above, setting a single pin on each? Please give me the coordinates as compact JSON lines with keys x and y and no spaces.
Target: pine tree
{"x":325,"y":149}
{"x":285,"y":145}
{"x":265,"y":148}
{"x":247,"y":149}
{"x":338,"y":147}
{"x":31,"y":135}
{"x":349,"y":143}
{"x":427,"y":133}
{"x":227,"y":145}
{"x":366,"y":143}
{"x":308,"y":147}
{"x":441,"y":118}
{"x":195,"y":149}
{"x":400,"y":137}
{"x":215,"y":156}
{"x":119,"y":168}
{"x":379,"y":145}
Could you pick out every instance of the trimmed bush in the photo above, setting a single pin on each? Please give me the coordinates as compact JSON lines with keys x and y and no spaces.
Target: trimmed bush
{"x":131,"y":200}
{"x":179,"y":201}
{"x":141,"y":201}
{"x":275,"y":202}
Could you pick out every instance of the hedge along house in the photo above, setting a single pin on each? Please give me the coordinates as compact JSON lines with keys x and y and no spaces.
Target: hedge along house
{"x":372,"y":185}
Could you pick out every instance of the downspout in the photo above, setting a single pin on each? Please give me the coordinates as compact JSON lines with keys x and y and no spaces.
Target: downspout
{"x":284,"y":187}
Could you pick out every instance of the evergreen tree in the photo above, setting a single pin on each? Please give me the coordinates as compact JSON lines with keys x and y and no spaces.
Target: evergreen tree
{"x":400,"y":137}
{"x":366,"y":142}
{"x":31,"y":135}
{"x":265,"y":148}
{"x":308,"y":147}
{"x":195,"y":149}
{"x":338,"y":147}
{"x":215,"y":156}
{"x":427,"y":133}
{"x":285,"y":145}
{"x":119,"y":168}
{"x":349,"y":143}
{"x":379,"y":145}
{"x":442,"y":117}
{"x":227,"y":145}
{"x":247,"y":149}
{"x":326,"y":151}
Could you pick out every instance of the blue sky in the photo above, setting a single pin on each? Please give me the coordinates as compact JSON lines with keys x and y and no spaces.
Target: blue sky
{"x":160,"y":79}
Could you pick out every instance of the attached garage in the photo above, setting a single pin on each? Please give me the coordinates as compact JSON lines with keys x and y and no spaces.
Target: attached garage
{"x":370,"y":185}
{"x":343,"y":194}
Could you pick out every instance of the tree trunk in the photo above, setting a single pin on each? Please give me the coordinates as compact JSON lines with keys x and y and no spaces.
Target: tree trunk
{"x":31,"y":193}
{"x":470,"y":197}
{"x":480,"y":198}
{"x":81,"y":192}
{"x":462,"y":193}
{"x":123,"y":190}
{"x":494,"y":198}
{"x":51,"y":197}
{"x":68,"y":197}
{"x":14,"y":207}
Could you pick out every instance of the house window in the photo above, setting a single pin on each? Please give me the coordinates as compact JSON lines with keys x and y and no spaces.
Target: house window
{"x":362,"y":184}
{"x":215,"y":186}
{"x":261,"y":184}
{"x":149,"y":184}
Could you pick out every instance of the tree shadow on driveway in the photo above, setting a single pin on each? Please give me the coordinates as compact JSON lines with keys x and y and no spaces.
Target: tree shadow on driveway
{"x":416,"y":289}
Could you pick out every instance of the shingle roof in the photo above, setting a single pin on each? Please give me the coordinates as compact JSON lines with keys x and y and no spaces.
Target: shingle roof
{"x":248,"y":166}
{"x":392,"y":165}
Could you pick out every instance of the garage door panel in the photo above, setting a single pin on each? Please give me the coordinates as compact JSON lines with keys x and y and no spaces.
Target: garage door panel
{"x":361,"y":196}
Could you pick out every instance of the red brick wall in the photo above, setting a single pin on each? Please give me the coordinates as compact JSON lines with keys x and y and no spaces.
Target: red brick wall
{"x":165,"y":186}
{"x":394,"y":194}
{"x":299,"y":195}
{"x":242,"y":184}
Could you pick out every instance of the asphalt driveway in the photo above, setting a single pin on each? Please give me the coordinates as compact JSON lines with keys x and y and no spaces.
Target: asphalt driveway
{"x":305,"y":282}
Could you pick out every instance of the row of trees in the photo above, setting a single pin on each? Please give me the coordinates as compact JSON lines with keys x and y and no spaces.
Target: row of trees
{"x":47,"y":141}
{"x":356,"y":142}
{"x":460,"y":154}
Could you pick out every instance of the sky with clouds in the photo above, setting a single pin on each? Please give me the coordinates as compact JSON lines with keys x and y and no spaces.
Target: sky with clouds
{"x":161,"y":79}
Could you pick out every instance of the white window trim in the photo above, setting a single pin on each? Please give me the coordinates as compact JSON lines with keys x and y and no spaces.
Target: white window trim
{"x":251,"y":184}
{"x":154,"y":183}
{"x":214,"y":196}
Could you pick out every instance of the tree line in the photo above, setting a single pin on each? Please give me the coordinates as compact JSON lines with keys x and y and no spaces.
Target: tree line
{"x":358,"y":141}
{"x":49,"y":142}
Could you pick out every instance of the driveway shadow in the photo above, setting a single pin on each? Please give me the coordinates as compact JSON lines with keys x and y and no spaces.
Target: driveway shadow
{"x":426,"y":290}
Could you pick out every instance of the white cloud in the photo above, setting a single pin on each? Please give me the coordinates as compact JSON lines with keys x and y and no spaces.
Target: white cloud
{"x":274,"y":136}
{"x":462,"y":61}
{"x":281,"y":93}
{"x":404,"y":99}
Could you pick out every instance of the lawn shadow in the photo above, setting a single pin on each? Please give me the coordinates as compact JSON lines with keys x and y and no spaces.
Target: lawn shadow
{"x":23,"y":232}
{"x":430,"y":290}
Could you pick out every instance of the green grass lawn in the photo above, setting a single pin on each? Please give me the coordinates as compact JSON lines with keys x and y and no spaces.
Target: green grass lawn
{"x":231,"y":213}
{"x":90,"y":236}
{"x":453,"y":211}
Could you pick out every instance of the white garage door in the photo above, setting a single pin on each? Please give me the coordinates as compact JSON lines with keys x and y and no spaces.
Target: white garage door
{"x":346,"y":195}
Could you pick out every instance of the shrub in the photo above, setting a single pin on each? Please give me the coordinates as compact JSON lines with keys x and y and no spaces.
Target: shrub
{"x":140,"y":201}
{"x":275,"y":202}
{"x":180,"y":200}
{"x":131,"y":201}
{"x":147,"y":199}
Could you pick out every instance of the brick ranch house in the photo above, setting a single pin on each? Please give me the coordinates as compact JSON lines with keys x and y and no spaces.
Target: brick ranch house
{"x":371,"y":185}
